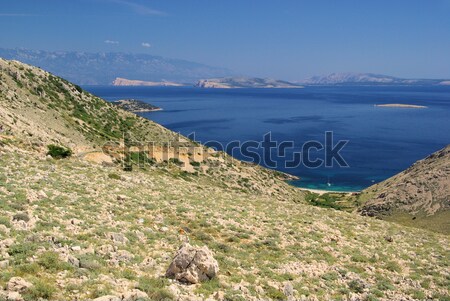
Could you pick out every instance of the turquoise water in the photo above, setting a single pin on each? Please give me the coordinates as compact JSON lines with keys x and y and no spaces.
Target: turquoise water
{"x":382,"y":141}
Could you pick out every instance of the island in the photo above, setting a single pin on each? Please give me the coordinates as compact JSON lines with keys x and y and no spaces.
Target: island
{"x":135,"y":106}
{"x":400,"y":105}
{"x":244,"y":82}
{"x":131,"y":82}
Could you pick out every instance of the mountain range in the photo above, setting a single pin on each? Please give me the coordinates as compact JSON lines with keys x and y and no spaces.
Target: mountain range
{"x":368,"y":79}
{"x":109,"y":68}
{"x":84,"y":68}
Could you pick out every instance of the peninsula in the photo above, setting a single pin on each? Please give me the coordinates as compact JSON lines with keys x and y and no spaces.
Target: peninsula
{"x":131,"y":82}
{"x":135,"y":106}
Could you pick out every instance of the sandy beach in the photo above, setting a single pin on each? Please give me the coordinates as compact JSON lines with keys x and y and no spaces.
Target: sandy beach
{"x":321,"y":192}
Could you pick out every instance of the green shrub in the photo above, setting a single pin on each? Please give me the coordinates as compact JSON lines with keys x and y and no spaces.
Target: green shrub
{"x":356,"y":286}
{"x":79,"y":89}
{"x":275,"y":294}
{"x":21,"y":216}
{"x":114,"y":176}
{"x":40,"y":290}
{"x":58,"y":152}
{"x":155,"y":288}
{"x":50,"y":261}
{"x":5,"y":221}
{"x":232,"y":295}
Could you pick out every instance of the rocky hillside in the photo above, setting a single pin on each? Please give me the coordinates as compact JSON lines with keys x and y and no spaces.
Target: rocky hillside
{"x":73,"y":229}
{"x":419,"y":195}
{"x":244,"y":82}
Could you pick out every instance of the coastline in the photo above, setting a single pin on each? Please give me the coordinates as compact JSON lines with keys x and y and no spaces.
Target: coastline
{"x":322,"y":192}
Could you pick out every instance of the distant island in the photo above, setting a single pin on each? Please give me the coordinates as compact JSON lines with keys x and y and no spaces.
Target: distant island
{"x":244,"y":82}
{"x":135,"y":106}
{"x":368,"y":79}
{"x":400,"y":105}
{"x":131,"y":82}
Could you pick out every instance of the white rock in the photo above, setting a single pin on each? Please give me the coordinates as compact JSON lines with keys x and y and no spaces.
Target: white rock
{"x":18,"y":284}
{"x":14,"y":296}
{"x":4,"y":264}
{"x":193,"y":265}
{"x":134,"y":295}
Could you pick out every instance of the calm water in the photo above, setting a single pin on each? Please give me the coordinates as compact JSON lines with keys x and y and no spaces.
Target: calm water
{"x":382,"y":141}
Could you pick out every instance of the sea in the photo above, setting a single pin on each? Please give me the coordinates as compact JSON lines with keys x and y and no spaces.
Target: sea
{"x":369,"y":143}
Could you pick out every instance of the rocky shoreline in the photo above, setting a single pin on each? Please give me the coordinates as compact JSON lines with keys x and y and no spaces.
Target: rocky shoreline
{"x":135,"y":106}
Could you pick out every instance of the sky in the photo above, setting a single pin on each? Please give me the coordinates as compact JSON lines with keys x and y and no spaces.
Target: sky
{"x":288,"y":39}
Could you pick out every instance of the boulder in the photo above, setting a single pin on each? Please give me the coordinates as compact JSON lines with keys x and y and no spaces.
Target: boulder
{"x":134,"y":295}
{"x":193,"y":265}
{"x":18,"y":284}
{"x":118,"y":238}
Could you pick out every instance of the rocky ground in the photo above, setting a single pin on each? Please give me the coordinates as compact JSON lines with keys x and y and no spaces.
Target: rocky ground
{"x":74,"y":230}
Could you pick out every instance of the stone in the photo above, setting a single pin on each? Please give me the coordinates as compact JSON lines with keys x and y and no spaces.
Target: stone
{"x":108,"y":298}
{"x":288,"y":290}
{"x":193,"y":265}
{"x":4,"y":264}
{"x":14,"y":296}
{"x":18,"y":284}
{"x":118,"y":238}
{"x":75,"y":248}
{"x":134,"y":295}
{"x":73,"y":261}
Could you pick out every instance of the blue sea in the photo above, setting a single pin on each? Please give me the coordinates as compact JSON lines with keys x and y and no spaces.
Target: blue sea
{"x":381,"y":141}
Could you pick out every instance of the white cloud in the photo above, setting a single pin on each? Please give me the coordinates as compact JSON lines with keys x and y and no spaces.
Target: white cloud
{"x":111,"y":42}
{"x":145,"y":44}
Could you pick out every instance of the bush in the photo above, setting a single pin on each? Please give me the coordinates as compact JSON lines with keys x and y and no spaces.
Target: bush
{"x":155,"y":288}
{"x":58,"y":152}
{"x":21,"y":252}
{"x":356,"y":286}
{"x":21,"y":216}
{"x":114,"y":176}
{"x":79,"y":89}
{"x":40,"y":290}
{"x":5,"y":221}
{"x":50,"y":261}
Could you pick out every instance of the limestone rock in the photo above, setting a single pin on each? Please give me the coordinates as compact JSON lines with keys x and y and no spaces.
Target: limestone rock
{"x":118,"y":238}
{"x":18,"y":284}
{"x":134,"y":295}
{"x":193,"y":265}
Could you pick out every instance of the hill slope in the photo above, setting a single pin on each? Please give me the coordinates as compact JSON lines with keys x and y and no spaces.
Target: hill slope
{"x":420,"y":194}
{"x":75,"y":230}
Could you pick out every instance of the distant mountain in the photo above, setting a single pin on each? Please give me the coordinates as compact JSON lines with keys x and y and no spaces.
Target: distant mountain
{"x":367,"y":79}
{"x":244,"y":82}
{"x":131,"y":82}
{"x":86,"y":68}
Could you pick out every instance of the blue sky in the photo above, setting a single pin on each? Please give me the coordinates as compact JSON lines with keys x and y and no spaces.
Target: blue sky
{"x":289,"y":39}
